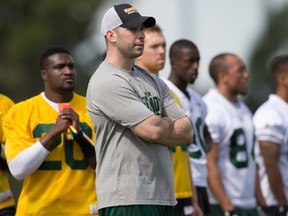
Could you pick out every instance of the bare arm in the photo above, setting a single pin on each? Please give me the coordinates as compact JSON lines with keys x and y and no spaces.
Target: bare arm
{"x":164,"y":131}
{"x":180,"y":134}
{"x":271,"y":155}
{"x":259,"y":196}
{"x":207,"y":136}
{"x":215,"y":180}
{"x":153,"y":128}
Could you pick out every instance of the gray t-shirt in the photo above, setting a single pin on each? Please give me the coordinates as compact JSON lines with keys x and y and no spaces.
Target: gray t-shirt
{"x":130,"y":170}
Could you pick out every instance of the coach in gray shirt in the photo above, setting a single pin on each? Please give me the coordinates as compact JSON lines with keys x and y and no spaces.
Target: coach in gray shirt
{"x":136,"y":121}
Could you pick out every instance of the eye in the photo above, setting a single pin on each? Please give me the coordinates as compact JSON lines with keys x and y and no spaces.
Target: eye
{"x":60,"y":66}
{"x":71,"y":66}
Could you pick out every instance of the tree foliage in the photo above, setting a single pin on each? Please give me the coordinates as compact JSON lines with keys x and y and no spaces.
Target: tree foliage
{"x":273,"y":42}
{"x":27,"y":28}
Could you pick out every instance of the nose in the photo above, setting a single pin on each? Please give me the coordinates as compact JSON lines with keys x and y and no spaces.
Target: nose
{"x":162,"y":50}
{"x":140,"y":33}
{"x":195,"y":65}
{"x":246,"y":74}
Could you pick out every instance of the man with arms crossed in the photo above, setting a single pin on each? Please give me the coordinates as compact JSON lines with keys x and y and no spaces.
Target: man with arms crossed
{"x":271,"y":150}
{"x":136,"y":121}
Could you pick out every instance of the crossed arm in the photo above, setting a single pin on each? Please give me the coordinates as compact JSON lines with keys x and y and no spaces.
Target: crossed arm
{"x":164,"y":131}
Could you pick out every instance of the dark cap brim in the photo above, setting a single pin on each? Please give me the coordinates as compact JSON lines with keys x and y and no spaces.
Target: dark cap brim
{"x":138,"y":21}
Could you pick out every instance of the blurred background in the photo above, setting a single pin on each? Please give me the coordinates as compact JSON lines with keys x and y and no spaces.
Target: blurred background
{"x":256,"y":30}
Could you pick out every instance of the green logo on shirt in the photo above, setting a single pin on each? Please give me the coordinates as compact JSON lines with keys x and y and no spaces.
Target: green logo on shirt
{"x":152,"y":103}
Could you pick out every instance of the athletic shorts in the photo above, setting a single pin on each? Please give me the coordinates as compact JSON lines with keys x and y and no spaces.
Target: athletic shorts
{"x":137,"y":210}
{"x":274,"y":211}
{"x":203,"y":200}
{"x":217,"y":210}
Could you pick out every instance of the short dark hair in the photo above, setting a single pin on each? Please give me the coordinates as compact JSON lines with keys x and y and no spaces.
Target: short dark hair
{"x":51,"y":51}
{"x":218,"y":64}
{"x":279,"y":65}
{"x":177,"y":46}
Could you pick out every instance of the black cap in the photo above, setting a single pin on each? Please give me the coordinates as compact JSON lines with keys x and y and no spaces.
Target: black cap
{"x":126,"y":16}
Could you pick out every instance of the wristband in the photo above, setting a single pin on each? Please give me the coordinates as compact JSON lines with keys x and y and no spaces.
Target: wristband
{"x":78,"y":134}
{"x":3,"y":164}
{"x":86,"y":145}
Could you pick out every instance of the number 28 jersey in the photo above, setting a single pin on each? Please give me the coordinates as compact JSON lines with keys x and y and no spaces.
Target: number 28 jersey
{"x":64,"y":183}
{"x":231,"y":127}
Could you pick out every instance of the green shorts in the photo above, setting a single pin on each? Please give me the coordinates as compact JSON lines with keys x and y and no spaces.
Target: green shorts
{"x":137,"y":210}
{"x":217,"y":210}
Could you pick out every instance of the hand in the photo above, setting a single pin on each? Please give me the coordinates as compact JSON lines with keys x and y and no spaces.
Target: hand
{"x":67,"y":113}
{"x":231,"y":213}
{"x":197,"y":211}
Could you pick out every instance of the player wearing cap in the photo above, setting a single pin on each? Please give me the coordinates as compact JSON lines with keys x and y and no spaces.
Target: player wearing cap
{"x":57,"y":177}
{"x":271,"y":151}
{"x":7,"y":207}
{"x":136,"y":121}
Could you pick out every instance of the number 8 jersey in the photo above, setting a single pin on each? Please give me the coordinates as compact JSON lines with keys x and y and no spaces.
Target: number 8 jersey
{"x":64,"y":183}
{"x":231,"y":127}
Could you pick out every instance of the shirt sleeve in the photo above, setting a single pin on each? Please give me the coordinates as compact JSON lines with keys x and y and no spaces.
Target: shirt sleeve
{"x":269,"y":126}
{"x":118,"y":101}
{"x":214,"y":125}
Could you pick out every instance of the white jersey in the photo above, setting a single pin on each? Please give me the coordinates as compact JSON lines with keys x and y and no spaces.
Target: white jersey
{"x":231,"y":128}
{"x":196,"y":110}
{"x":271,"y":124}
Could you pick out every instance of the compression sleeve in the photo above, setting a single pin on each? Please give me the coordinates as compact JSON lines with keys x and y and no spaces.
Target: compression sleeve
{"x":27,"y":161}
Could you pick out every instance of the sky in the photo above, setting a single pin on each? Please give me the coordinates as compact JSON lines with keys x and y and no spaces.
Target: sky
{"x":214,"y":26}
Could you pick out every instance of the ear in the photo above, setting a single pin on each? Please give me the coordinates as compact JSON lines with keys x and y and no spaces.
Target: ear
{"x":281,"y":78}
{"x":44,"y":74}
{"x":172,"y":62}
{"x":111,"y":36}
{"x":223,"y":77}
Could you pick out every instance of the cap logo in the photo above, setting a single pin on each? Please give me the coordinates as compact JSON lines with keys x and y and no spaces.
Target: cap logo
{"x":130,"y":10}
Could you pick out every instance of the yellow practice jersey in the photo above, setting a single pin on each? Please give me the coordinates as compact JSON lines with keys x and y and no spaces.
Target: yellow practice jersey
{"x":6,"y":198}
{"x":64,"y":183}
{"x":182,"y":179}
{"x":5,"y":104}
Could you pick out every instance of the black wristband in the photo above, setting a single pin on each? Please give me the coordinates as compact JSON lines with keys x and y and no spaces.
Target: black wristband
{"x":86,"y":146}
{"x":3,"y":164}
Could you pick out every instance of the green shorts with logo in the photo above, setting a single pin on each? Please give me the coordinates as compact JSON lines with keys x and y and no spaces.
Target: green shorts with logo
{"x":137,"y":210}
